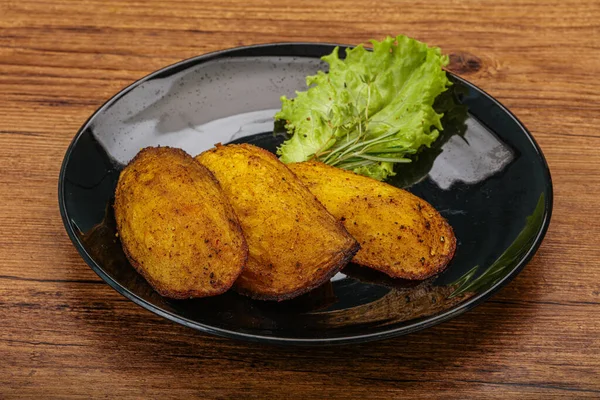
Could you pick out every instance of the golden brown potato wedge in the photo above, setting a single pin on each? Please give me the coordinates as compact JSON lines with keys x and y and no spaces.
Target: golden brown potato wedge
{"x":176,"y":226}
{"x":294,"y":244}
{"x":399,"y":233}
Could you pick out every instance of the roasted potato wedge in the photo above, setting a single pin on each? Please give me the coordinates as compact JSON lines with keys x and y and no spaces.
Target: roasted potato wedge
{"x":176,"y":226}
{"x":294,"y":244}
{"x":399,"y":233}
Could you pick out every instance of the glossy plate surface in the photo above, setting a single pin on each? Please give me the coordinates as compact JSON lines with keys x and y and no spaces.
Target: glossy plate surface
{"x":486,"y":175}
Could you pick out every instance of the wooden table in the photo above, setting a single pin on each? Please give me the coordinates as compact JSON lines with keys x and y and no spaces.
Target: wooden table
{"x":64,"y":333}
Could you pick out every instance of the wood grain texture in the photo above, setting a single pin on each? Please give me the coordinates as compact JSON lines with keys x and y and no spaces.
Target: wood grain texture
{"x":66,"y":334}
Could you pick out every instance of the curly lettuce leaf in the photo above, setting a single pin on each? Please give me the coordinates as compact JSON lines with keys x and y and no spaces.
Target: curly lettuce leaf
{"x":371,"y":110}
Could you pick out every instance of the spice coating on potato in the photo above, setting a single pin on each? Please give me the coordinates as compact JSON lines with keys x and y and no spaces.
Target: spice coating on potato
{"x":176,"y":226}
{"x":400,"y":234}
{"x":294,"y":243}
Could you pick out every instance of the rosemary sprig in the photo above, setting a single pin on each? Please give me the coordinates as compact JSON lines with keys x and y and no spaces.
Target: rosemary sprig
{"x":344,"y":154}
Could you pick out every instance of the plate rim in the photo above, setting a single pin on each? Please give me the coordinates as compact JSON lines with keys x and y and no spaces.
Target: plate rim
{"x":357,"y":338}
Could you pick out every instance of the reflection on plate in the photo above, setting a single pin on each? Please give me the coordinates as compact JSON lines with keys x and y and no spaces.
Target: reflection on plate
{"x":485,"y":175}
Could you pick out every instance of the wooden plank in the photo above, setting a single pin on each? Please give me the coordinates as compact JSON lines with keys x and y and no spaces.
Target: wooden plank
{"x":66,"y":334}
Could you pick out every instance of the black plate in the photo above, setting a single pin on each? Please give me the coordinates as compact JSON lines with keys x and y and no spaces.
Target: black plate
{"x":486,"y":175}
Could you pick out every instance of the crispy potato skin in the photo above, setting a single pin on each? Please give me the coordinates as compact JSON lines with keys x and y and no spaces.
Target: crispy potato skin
{"x":294,"y":244}
{"x":176,"y":226}
{"x":399,"y":233}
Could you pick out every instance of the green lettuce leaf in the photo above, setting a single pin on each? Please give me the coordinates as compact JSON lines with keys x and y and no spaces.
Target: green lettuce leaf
{"x":371,"y":110}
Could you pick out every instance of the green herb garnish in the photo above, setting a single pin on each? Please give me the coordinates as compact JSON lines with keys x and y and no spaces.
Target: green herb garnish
{"x":372,"y":110}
